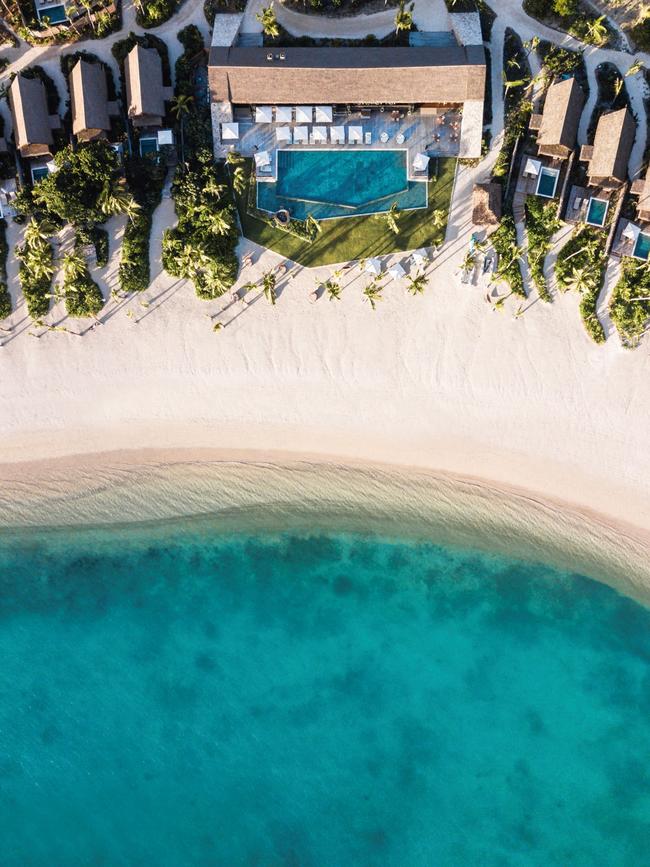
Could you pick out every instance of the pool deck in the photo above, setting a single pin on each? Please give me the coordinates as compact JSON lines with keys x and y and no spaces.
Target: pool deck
{"x":427,"y":133}
{"x":624,"y":246}
{"x":576,"y":212}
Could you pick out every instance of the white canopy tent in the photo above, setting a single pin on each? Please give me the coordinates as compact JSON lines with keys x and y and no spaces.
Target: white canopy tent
{"x":421,"y":163}
{"x":283,"y":114}
{"x":337,"y":134}
{"x":304,"y":114}
{"x":283,"y":134}
{"x":319,"y":134}
{"x":631,"y":231}
{"x":396,"y":271}
{"x":324,"y":114}
{"x":263,"y":114}
{"x":165,"y":137}
{"x":532,"y":167}
{"x":420,"y":257}
{"x":373,"y":266}
{"x":229,"y":131}
{"x":355,"y":134}
{"x":300,"y":135}
{"x":262,"y":159}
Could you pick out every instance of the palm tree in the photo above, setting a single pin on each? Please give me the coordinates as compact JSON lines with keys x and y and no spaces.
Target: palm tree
{"x":239,"y":180}
{"x":392,"y":218}
{"x":87,"y":5}
{"x":597,"y":30}
{"x":404,"y":17}
{"x":36,"y":231}
{"x":312,"y":225}
{"x":234,"y":158}
{"x":268,"y":287}
{"x":582,"y":280}
{"x":372,"y":294}
{"x":469,"y":263}
{"x":333,"y":290}
{"x":637,"y":66}
{"x":268,"y":21}
{"x":180,"y":108}
{"x":216,"y":221}
{"x":73,"y":266}
{"x":438,"y":219}
{"x":417,"y":284}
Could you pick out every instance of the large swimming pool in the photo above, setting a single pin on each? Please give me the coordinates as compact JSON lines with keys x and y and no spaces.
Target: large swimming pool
{"x":341,"y":183}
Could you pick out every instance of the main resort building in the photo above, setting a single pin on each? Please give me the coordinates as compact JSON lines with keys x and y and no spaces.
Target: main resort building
{"x":343,"y":130}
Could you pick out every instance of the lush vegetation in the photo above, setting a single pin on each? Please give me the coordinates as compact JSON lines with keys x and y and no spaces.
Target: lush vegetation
{"x":82,"y":295}
{"x":152,"y":13}
{"x":97,"y":238}
{"x":640,"y":32}
{"x":516,"y":79}
{"x":630,"y":303}
{"x":276,"y":35}
{"x":581,"y":266}
{"x":340,"y":240}
{"x":504,"y":241}
{"x":558,"y":61}
{"x":5,"y":297}
{"x":541,"y":224}
{"x":335,"y":7}
{"x":573,"y":16}
{"x":145,"y":176}
{"x":192,"y":41}
{"x":85,"y":23}
{"x":36,"y":268}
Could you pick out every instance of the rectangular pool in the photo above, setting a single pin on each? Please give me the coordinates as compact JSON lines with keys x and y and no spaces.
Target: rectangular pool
{"x":54,"y":14}
{"x":597,"y":211}
{"x":340,"y":183}
{"x":642,"y":247}
{"x":547,"y":182}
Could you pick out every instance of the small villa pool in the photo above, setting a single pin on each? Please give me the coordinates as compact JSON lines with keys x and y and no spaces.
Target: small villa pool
{"x":340,"y":183}
{"x":54,"y":14}
{"x":547,"y":183}
{"x":642,"y":247}
{"x":597,"y":211}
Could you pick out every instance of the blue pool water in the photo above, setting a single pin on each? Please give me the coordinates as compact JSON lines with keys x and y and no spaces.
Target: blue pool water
{"x":54,"y":14}
{"x":597,"y":212}
{"x":642,"y":246}
{"x":547,"y":183}
{"x":327,"y":183}
{"x":315,"y":701}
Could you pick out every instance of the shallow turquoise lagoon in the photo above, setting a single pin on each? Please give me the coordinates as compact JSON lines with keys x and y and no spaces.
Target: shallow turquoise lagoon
{"x":314,"y":702}
{"x":336,"y":183}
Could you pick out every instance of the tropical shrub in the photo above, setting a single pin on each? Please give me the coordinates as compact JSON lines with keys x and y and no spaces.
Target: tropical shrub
{"x":630,"y":303}
{"x":145,"y":177}
{"x":581,"y":266}
{"x":36,"y":269}
{"x":5,"y":297}
{"x":504,"y":241}
{"x":82,"y":295}
{"x":541,"y":224}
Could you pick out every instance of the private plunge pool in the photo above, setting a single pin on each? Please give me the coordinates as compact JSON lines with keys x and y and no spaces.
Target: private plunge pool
{"x":642,"y":247}
{"x":597,"y":211}
{"x":340,"y":183}
{"x":547,"y":183}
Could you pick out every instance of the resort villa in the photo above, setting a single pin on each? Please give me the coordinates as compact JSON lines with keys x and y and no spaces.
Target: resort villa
{"x":145,"y":94}
{"x":609,"y":155}
{"x":344,"y":130}
{"x":89,"y":101}
{"x":31,"y":120}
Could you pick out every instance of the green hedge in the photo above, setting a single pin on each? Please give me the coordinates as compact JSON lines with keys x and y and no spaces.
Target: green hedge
{"x":582,"y":260}
{"x":37,"y":288}
{"x":629,"y":314}
{"x":541,"y":224}
{"x":145,"y":177}
{"x":504,"y":241}
{"x":5,"y":297}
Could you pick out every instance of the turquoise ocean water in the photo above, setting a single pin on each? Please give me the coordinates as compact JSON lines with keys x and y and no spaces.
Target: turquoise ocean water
{"x":189,"y":698}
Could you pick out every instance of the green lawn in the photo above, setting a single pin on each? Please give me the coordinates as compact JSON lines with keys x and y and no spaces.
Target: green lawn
{"x":356,"y":237}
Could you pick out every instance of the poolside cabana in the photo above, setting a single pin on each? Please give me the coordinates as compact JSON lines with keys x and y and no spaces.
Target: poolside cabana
{"x":373,"y":266}
{"x":304,"y":114}
{"x":532,"y":168}
{"x":263,"y":114}
{"x":420,"y":257}
{"x":283,"y":114}
{"x":319,"y":134}
{"x":420,"y":163}
{"x":631,"y":232}
{"x":355,"y":134}
{"x":262,"y":160}
{"x":300,"y":135}
{"x":396,"y":271}
{"x":324,"y":114}
{"x":283,"y":134}
{"x":337,"y":134}
{"x":229,"y":131}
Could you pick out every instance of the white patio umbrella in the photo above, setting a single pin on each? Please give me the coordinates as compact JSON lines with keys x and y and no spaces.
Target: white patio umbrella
{"x":262,"y":159}
{"x":229,"y":131}
{"x":52,"y":167}
{"x":532,"y":167}
{"x":319,"y":133}
{"x":337,"y":134}
{"x":283,"y":134}
{"x":300,"y":135}
{"x":420,"y":257}
{"x":283,"y":114}
{"x":396,"y":271}
{"x":263,"y":114}
{"x":421,"y":163}
{"x":631,"y":231}
{"x":324,"y":114}
{"x":355,"y":134}
{"x":304,"y":113}
{"x":373,"y":266}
